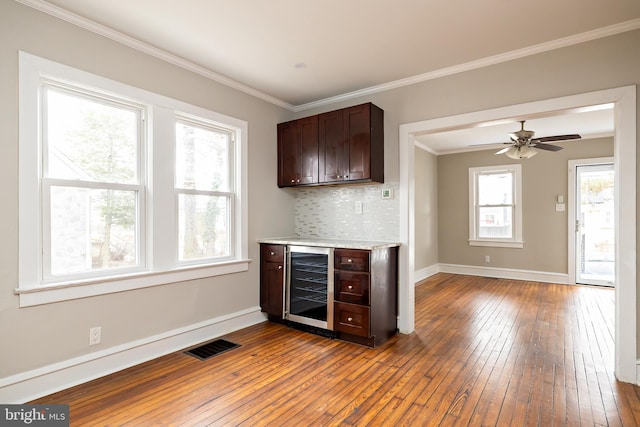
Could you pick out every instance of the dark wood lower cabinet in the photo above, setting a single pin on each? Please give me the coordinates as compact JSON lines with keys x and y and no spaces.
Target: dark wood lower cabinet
{"x":366,"y":284}
{"x":365,"y":291}
{"x":272,"y":274}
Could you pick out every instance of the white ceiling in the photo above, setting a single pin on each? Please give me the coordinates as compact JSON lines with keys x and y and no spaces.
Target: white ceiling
{"x":301,"y":54}
{"x":592,"y":122}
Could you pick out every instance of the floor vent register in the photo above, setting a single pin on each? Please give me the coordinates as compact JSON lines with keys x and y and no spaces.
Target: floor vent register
{"x":211,"y":348}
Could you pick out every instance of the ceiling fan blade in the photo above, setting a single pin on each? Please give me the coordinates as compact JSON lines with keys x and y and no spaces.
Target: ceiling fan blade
{"x":556,"y":138}
{"x":548,"y":147}
{"x":488,"y":144}
{"x":504,"y":150}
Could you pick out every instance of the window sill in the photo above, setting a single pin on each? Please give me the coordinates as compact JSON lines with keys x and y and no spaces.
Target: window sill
{"x":67,"y":291}
{"x":497,"y":243}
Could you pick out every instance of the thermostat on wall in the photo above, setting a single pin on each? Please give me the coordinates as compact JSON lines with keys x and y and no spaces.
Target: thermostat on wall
{"x":387,"y":193}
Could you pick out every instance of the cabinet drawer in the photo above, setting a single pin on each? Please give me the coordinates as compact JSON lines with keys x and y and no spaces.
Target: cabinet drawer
{"x":352,"y":287}
{"x":351,"y":319}
{"x":351,"y":259}
{"x":272,"y":253}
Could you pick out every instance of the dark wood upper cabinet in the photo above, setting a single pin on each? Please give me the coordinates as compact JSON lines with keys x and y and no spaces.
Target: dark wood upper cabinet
{"x":349,"y":147}
{"x":298,"y":152}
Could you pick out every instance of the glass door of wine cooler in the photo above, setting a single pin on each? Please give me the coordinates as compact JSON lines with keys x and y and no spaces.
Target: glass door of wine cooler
{"x":310,"y":290}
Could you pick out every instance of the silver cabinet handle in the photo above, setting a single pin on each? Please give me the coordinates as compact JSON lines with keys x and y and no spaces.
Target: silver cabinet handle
{"x":272,"y":253}
{"x":350,"y":319}
{"x":350,"y":287}
{"x":279,"y":267}
{"x":349,"y":260}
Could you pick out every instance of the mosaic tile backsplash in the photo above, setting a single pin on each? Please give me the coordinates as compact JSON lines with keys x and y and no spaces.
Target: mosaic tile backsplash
{"x":330,"y":212}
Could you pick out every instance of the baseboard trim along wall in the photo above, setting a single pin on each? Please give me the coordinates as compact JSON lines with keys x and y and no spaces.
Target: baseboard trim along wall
{"x":500,"y":273}
{"x":425,"y":273}
{"x":26,"y":386}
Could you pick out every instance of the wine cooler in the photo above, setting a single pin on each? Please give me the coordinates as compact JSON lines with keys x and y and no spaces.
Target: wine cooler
{"x":309,"y":294}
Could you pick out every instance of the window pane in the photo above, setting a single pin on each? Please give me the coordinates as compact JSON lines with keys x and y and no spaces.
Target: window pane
{"x":202,"y":158}
{"x":203,"y":226}
{"x":90,"y":140}
{"x":495,"y":222}
{"x":92,"y":230}
{"x":495,"y":188}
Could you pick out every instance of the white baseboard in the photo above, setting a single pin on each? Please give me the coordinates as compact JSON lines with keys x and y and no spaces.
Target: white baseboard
{"x":40,"y":382}
{"x":505,"y":273}
{"x":502,"y":273}
{"x":424,"y":273}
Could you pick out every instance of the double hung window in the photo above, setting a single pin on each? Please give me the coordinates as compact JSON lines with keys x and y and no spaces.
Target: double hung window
{"x":93,"y":185}
{"x":121,"y":188}
{"x":495,"y":206}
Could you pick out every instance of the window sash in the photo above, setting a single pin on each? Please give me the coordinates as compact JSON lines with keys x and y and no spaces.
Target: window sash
{"x":200,"y":123}
{"x":47,"y":233}
{"x":229,"y":221}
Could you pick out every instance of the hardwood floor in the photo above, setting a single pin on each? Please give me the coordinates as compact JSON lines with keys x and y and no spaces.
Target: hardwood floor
{"x":485,"y":352}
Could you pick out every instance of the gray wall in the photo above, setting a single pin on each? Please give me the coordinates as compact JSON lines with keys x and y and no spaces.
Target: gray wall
{"x":38,"y":336}
{"x":544,"y":231}
{"x":61,"y":328}
{"x":426,"y":210}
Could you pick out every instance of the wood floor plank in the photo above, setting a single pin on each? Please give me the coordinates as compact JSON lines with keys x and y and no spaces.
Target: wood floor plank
{"x":485,"y":352}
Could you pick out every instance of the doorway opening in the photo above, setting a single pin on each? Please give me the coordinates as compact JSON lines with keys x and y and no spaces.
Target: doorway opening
{"x":624,"y":100}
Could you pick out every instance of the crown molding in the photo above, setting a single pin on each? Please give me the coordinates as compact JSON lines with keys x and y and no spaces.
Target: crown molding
{"x":134,"y":43}
{"x":131,"y":42}
{"x":611,"y":30}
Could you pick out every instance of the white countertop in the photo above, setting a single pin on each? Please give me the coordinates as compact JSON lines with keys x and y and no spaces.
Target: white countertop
{"x":329,"y":243}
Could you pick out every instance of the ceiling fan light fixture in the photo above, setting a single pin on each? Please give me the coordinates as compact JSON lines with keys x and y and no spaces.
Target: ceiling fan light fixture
{"x":522,"y":152}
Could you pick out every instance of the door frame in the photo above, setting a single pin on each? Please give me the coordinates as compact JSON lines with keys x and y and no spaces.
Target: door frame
{"x":624,"y":100}
{"x":571,"y":209}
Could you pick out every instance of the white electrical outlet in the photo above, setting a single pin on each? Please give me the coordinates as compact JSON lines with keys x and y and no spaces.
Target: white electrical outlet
{"x":95,"y":335}
{"x":358,"y":208}
{"x":487,"y":258}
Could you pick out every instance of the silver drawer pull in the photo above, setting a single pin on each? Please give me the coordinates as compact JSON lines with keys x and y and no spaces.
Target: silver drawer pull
{"x":349,"y":260}
{"x":350,"y":319}
{"x":349,"y":287}
{"x":272,"y":253}
{"x":279,"y":267}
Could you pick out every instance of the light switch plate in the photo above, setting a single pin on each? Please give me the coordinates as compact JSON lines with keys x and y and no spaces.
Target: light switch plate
{"x":559,"y":207}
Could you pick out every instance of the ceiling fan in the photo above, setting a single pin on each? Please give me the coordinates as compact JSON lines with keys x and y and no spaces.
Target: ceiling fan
{"x":523,"y":143}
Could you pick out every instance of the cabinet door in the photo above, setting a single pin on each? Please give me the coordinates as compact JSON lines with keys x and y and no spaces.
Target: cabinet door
{"x":287,"y":153}
{"x":298,"y":152}
{"x":308,"y":150}
{"x":357,"y":133}
{"x":272,"y":279}
{"x":333,"y":148}
{"x":272,"y":288}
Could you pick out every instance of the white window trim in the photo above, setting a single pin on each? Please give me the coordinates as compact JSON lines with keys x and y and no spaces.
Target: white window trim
{"x":161,"y":267}
{"x":516,"y":241}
